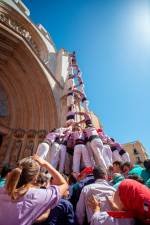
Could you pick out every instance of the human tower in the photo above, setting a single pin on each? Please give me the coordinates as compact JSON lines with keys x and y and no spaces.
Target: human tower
{"x":79,"y":144}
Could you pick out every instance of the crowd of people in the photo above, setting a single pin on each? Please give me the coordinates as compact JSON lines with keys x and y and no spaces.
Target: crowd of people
{"x":78,"y":176}
{"x":36,"y":193}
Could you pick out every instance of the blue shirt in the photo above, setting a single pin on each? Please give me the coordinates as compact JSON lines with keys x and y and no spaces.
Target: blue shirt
{"x":140,"y":171}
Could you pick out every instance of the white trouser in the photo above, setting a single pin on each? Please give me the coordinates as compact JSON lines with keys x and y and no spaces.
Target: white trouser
{"x":43,"y":149}
{"x":80,"y":151}
{"x":81,"y":88}
{"x":107,"y":155}
{"x":62,"y":158}
{"x":97,"y":147}
{"x":70,"y":83}
{"x":116,"y":156}
{"x":86,"y":105}
{"x":55,"y":154}
{"x":70,"y":100}
{"x":125,"y":157}
{"x":68,"y":163}
{"x":90,"y":152}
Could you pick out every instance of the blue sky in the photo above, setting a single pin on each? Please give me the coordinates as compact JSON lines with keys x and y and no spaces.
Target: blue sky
{"x":112,"y":42}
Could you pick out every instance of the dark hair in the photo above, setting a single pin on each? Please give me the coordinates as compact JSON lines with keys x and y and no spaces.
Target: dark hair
{"x":19,"y":178}
{"x":99,"y":172}
{"x":136,"y":177}
{"x":5,"y":170}
{"x":71,"y":180}
{"x":147,"y":164}
{"x":42,"y":179}
{"x":112,"y":139}
{"x":53,"y":130}
{"x":119,"y":163}
{"x":128,"y":164}
{"x":69,"y":108}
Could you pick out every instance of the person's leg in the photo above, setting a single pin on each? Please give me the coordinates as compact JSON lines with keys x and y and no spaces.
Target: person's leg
{"x":62,"y":158}
{"x":76,"y":159}
{"x":70,"y":83}
{"x":42,"y":150}
{"x":85,"y":156}
{"x":107,"y":155}
{"x":70,"y":100}
{"x":81,"y":88}
{"x":90,"y":152}
{"x":86,"y":105}
{"x":116,"y":156}
{"x":55,"y":153}
{"x":97,"y":147}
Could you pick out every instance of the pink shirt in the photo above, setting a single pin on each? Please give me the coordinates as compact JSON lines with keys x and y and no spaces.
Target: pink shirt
{"x":51,"y":136}
{"x":78,"y":135}
{"x":29,"y":207}
{"x":90,"y":131}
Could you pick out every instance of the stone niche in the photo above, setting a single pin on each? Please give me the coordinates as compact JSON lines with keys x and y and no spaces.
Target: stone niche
{"x":20,"y":143}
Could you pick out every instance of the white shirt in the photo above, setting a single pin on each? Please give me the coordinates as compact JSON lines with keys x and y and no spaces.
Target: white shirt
{"x":103,"y":218}
{"x":100,"y":189}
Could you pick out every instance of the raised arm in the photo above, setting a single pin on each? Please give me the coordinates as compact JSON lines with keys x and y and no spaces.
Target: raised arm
{"x":57,"y":177}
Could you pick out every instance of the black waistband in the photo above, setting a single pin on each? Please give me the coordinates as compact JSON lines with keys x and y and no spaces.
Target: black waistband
{"x":86,"y":140}
{"x":88,"y":122}
{"x":70,"y":117}
{"x":70,"y":151}
{"x":84,"y":99}
{"x":64,"y":143}
{"x":47,"y":142}
{"x":70,"y":94}
{"x":113,"y":148}
{"x":122,"y":151}
{"x":80,"y":142}
{"x":92,"y":137}
{"x":57,"y":140}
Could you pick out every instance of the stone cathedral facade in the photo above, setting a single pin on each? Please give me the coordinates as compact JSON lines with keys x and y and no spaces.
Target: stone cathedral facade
{"x":32,"y":83}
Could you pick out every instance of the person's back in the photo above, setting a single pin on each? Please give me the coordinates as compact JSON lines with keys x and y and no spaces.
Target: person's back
{"x":27,"y":208}
{"x":77,"y":188}
{"x":62,"y":214}
{"x":101,"y":189}
{"x":22,"y":202}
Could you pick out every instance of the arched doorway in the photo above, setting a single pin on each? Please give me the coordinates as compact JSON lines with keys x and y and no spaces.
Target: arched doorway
{"x":29,"y":108}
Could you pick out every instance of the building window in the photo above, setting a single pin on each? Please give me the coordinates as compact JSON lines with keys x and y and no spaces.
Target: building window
{"x":135,"y":151}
